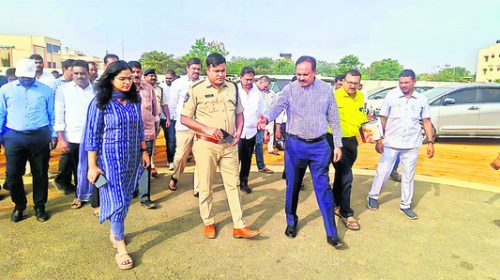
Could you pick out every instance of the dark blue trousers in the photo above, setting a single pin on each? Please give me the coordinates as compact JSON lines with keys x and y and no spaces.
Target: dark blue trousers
{"x":298,"y":156}
{"x":169,"y":134}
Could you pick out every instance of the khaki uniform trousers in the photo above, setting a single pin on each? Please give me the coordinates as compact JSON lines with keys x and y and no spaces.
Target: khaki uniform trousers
{"x":208,"y":156}
{"x":184,"y":141}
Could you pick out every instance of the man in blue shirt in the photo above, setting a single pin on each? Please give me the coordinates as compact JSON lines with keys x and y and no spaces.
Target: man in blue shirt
{"x":26,"y":128}
{"x":310,"y":107}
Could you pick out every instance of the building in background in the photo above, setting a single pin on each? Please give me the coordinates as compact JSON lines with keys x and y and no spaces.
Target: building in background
{"x":67,"y":53}
{"x":488,"y":64}
{"x":15,"y":47}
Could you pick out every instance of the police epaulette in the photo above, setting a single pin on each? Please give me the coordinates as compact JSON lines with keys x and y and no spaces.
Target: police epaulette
{"x":197,"y":83}
{"x":236,"y":87}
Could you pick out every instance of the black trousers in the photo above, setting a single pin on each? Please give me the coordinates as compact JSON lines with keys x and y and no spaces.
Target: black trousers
{"x":68,"y":165}
{"x":21,"y":147}
{"x":245,"y":151}
{"x":342,"y":184}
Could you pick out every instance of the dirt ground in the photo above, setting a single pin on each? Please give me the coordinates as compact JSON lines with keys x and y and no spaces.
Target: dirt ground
{"x":456,"y":237}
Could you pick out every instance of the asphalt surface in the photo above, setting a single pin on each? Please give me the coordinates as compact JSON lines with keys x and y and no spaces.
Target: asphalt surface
{"x":456,"y":237}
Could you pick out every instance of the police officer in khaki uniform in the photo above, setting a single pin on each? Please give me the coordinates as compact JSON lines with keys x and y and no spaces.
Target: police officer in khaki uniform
{"x":211,"y":106}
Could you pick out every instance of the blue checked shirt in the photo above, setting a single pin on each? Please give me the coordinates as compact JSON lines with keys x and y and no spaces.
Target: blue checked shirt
{"x":24,"y":109}
{"x":309,"y":110}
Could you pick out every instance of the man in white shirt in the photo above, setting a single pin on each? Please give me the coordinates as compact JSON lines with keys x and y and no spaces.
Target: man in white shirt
{"x":183,"y":135}
{"x":43,"y":77}
{"x":252,"y":101}
{"x":401,"y":112}
{"x":168,"y":131}
{"x":71,"y":103}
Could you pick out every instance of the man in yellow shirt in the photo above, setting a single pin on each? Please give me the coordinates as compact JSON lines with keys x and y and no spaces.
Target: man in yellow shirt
{"x":352,"y":114}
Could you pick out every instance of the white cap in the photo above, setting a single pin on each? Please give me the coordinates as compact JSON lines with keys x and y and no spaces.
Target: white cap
{"x":26,"y":68}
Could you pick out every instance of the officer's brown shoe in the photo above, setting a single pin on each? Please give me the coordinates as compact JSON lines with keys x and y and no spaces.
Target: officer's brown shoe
{"x":209,"y":231}
{"x":245,"y":232}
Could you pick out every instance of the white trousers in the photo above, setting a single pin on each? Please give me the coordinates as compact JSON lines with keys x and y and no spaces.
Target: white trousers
{"x":408,"y":165}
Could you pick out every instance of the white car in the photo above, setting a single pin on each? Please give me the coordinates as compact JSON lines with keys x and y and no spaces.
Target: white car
{"x":466,"y":111}
{"x":374,"y":99}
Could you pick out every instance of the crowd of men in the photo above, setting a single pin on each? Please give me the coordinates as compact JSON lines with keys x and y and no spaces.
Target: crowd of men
{"x":222,"y":124}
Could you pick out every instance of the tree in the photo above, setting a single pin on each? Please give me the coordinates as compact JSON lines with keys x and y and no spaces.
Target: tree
{"x":386,"y":69}
{"x":325,"y":68}
{"x":345,"y":64}
{"x":448,"y":73}
{"x":159,"y":61}
{"x":284,"y":66}
{"x":201,"y":49}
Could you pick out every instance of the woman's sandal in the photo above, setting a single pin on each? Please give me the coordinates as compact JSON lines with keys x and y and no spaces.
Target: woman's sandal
{"x":350,"y":223}
{"x":76,"y":204}
{"x":124,"y":261}
{"x":174,"y":186}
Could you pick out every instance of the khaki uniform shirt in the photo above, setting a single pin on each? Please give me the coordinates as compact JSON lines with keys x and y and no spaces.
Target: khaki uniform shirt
{"x":213,"y":107}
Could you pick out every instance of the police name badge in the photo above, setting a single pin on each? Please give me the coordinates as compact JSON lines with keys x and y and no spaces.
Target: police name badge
{"x":186,"y":98}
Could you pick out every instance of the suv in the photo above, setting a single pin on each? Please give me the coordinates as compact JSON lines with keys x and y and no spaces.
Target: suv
{"x":466,"y":111}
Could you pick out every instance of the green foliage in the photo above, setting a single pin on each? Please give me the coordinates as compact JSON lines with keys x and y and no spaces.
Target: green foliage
{"x":159,"y":61}
{"x":201,"y":49}
{"x":386,"y":69}
{"x":448,"y":74}
{"x":345,"y":64}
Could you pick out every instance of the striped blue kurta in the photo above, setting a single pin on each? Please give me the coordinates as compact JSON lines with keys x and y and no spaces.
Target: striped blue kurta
{"x":116,"y":134}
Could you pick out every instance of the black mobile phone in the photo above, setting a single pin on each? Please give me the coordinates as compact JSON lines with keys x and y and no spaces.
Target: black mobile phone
{"x":101,"y":181}
{"x":227,"y":137}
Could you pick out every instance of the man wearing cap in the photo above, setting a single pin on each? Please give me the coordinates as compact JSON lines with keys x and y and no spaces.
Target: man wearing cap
{"x":210,"y":107}
{"x":41,"y":76}
{"x":26,"y":128}
{"x":151,"y":78}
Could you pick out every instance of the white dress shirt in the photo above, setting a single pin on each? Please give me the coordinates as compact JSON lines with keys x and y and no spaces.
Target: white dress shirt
{"x":71,"y":104}
{"x":402,"y":129}
{"x":178,"y":92}
{"x":253,"y":104}
{"x":47,"y":79}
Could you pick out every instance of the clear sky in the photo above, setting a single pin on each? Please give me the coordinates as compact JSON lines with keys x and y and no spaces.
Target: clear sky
{"x":420,"y":34}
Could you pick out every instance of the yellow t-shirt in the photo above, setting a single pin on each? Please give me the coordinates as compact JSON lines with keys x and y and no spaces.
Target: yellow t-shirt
{"x":352,"y":112}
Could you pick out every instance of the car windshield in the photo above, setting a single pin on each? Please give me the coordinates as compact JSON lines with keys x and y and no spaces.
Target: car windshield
{"x":380,"y":94}
{"x":435,"y":92}
{"x":278,"y":85}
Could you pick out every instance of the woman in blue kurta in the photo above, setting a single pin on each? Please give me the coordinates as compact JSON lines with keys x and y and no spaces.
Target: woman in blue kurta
{"x":114,"y":141}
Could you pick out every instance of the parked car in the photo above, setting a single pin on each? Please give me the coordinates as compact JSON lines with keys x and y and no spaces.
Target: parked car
{"x":466,"y":110}
{"x":374,"y":99}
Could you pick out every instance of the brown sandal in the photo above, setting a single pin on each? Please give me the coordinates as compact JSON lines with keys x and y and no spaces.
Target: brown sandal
{"x":76,"y":204}
{"x":350,"y":223}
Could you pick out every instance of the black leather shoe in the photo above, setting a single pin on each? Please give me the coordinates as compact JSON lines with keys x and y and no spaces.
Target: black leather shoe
{"x":66,"y":189}
{"x":17,"y":216}
{"x":335,"y":242}
{"x":291,"y":231}
{"x":41,"y":215}
{"x":148,"y":204}
{"x":245,"y":188}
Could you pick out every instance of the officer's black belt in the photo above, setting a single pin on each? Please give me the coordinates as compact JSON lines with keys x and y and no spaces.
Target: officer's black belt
{"x":34,"y":131}
{"x":307,"y":140}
